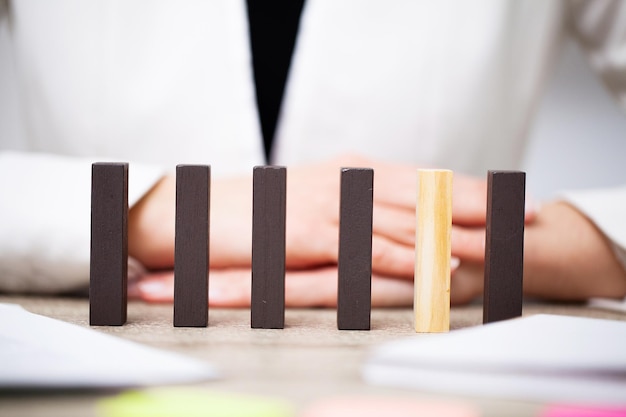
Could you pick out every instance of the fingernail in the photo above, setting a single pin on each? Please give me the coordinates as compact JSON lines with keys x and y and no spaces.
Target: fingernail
{"x":215,"y":294}
{"x":454,"y":263}
{"x":151,"y":287}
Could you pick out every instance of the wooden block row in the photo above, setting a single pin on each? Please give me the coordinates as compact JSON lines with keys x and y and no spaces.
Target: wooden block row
{"x":503,"y":249}
{"x":109,"y":253}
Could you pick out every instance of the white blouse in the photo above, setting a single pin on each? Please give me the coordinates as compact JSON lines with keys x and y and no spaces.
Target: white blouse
{"x":158,"y":83}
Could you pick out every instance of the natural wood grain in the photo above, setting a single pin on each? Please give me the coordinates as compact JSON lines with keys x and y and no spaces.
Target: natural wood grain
{"x":432,"y":251}
{"x":268,"y":247}
{"x":191,"y":258}
{"x":504,"y":245}
{"x":108,"y":270}
{"x":354,"y":296}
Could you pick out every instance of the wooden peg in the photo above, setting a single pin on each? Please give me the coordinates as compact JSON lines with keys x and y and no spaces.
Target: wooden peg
{"x":108,"y":269}
{"x":191,"y":257}
{"x":504,"y":245}
{"x":432,"y":251}
{"x":354,"y":295}
{"x":268,"y":247}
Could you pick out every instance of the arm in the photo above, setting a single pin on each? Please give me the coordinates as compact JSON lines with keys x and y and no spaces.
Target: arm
{"x":566,"y":257}
{"x":45,"y":219}
{"x":569,"y":258}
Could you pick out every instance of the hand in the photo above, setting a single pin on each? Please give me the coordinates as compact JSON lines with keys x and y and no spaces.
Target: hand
{"x":312,"y":232}
{"x":312,"y":218}
{"x":313,"y":214}
{"x":565,"y":258}
{"x":305,"y":288}
{"x":151,"y":224}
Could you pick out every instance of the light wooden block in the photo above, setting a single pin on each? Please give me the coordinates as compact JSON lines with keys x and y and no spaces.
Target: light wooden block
{"x":432,"y":251}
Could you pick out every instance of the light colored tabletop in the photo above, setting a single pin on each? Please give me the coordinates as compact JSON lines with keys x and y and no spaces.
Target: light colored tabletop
{"x":308,"y":361}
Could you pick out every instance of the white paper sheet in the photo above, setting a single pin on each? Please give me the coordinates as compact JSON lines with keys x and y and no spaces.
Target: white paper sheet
{"x":542,"y":358}
{"x":40,"y":352}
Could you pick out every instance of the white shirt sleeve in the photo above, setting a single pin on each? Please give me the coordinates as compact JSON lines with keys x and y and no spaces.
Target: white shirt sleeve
{"x":45,"y":219}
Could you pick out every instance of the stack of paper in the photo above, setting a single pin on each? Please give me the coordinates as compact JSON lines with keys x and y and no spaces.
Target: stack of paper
{"x":542,"y":358}
{"x":40,"y":352}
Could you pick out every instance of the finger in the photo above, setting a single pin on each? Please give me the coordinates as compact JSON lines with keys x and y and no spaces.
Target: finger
{"x":466,"y":283}
{"x":455,"y":263}
{"x":133,"y":291}
{"x":469,"y":201}
{"x":392,"y":259}
{"x":155,"y":287}
{"x":395,"y":185}
{"x":311,"y":243}
{"x":395,"y":224}
{"x":307,"y":288}
{"x":318,"y":288}
{"x":391,"y":292}
{"x":393,"y":242}
{"x":227,"y":288}
{"x":468,"y":244}
{"x":230,"y":288}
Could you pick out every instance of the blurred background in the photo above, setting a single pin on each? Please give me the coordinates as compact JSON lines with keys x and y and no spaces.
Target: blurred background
{"x":579,"y":125}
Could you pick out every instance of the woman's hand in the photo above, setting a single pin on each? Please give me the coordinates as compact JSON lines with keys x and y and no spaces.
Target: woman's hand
{"x":311,"y":237}
{"x":565,"y":258}
{"x":312,"y":218}
{"x":315,"y":287}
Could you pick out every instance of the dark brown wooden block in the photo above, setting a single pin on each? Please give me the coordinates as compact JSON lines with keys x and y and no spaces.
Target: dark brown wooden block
{"x":504,"y":246}
{"x":354,"y":296}
{"x":108,"y":269}
{"x":268,"y":247}
{"x":191,"y":257}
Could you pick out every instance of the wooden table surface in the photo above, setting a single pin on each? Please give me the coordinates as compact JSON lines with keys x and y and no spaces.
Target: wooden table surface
{"x":308,"y":361}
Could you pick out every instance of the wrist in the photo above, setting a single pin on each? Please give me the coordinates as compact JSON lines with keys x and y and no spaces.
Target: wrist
{"x":568,"y":258}
{"x":151,"y":226}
